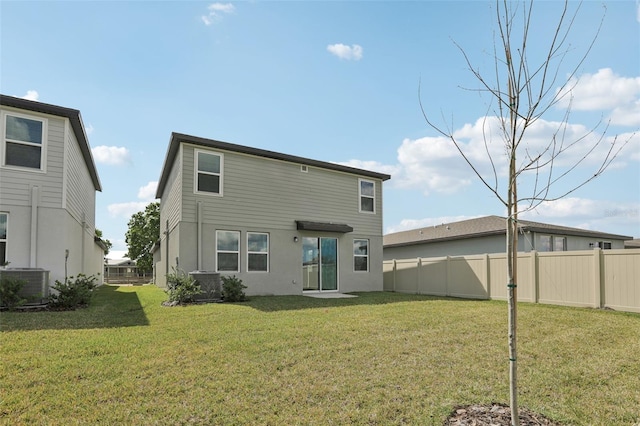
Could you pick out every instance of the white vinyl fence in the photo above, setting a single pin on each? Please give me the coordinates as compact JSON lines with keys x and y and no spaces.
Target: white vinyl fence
{"x":587,"y":278}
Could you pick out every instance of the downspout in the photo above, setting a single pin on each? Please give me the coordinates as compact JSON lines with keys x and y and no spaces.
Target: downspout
{"x":82,"y":243}
{"x":166,"y":259}
{"x":33,"y":253}
{"x":199,"y":236}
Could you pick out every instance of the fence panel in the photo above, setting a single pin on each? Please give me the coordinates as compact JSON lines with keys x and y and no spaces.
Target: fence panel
{"x":593,"y":278}
{"x":433,"y":276}
{"x":621,"y":279}
{"x":567,"y":278}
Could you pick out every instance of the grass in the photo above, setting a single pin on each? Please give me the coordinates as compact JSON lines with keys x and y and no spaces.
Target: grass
{"x":381,"y":358}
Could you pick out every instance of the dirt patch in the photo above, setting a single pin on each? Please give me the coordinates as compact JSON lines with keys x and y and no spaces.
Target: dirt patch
{"x":494,"y":415}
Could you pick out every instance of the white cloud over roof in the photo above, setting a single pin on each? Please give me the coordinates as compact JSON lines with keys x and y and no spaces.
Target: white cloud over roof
{"x":605,"y":90}
{"x":111,"y":155}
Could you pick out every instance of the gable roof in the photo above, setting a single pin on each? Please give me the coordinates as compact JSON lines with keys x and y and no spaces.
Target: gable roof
{"x":76,"y":124}
{"x":178,"y":138}
{"x":480,"y":227}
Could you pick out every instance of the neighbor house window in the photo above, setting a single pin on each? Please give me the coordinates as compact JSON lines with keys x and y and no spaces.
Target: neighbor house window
{"x":604,"y":245}
{"x":208,"y":179}
{"x":559,"y":243}
{"x":361,"y":255}
{"x":228,"y":251}
{"x":4,"y":218}
{"x":545,"y":243}
{"x":257,"y":252}
{"x":367,"y":191}
{"x":24,"y":142}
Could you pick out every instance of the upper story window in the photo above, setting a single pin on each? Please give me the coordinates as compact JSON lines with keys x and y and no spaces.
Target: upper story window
{"x":4,"y":218}
{"x":367,"y":193}
{"x":208,"y":168}
{"x":24,"y":141}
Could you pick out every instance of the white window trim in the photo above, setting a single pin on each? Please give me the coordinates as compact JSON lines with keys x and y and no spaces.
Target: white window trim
{"x":228,"y":251}
{"x":258,"y":252}
{"x":43,"y":145}
{"x":367,"y":196}
{"x":6,"y":239}
{"x":362,"y":255}
{"x":195,"y":173}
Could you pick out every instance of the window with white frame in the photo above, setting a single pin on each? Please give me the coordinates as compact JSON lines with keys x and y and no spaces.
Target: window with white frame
{"x":361,"y":255}
{"x":24,"y":141}
{"x":4,"y":219}
{"x":208,"y":170}
{"x":228,"y":251}
{"x":257,"y":252}
{"x":367,"y":191}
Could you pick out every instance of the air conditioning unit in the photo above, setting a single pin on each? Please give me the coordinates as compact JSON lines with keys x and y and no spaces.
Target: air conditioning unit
{"x":36,"y":288}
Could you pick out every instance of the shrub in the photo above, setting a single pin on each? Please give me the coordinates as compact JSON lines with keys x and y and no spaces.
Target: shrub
{"x":181,"y":288}
{"x":233,"y":289}
{"x":73,"y":293}
{"x":9,"y":289}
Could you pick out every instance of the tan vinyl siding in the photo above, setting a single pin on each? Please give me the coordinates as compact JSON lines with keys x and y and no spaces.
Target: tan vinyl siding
{"x":170,"y":209}
{"x":80,"y":192}
{"x":271,"y":194}
{"x":15,"y":184}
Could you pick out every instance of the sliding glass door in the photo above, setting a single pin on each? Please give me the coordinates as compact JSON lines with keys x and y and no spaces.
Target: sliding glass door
{"x":319,"y":264}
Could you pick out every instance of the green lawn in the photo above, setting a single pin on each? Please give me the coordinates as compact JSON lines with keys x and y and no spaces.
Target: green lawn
{"x":381,"y":358}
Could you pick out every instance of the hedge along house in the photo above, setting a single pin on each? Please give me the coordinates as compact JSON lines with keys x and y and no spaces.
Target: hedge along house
{"x":48,"y":184}
{"x":283,"y":224}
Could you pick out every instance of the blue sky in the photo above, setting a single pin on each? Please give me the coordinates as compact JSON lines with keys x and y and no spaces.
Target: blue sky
{"x":333,"y":81}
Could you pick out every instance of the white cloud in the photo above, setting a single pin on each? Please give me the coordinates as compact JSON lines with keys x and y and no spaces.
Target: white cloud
{"x":216,"y":10}
{"x":600,"y":215}
{"x":342,"y":51}
{"x":126,"y":210}
{"x":433,"y":164}
{"x":31,"y":95}
{"x":605,"y":90}
{"x":88,"y":129}
{"x":148,"y":192}
{"x":111,"y":155}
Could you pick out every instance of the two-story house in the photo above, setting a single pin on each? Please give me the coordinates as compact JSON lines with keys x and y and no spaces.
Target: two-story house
{"x":48,"y":184}
{"x":281,"y":223}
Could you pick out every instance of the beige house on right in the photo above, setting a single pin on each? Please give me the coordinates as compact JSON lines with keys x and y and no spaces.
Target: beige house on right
{"x":487,"y":235}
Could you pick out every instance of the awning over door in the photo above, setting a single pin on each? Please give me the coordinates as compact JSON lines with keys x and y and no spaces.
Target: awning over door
{"x":305,"y":225}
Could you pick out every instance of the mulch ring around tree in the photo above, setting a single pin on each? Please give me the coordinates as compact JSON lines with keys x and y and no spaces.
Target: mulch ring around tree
{"x":494,"y":415}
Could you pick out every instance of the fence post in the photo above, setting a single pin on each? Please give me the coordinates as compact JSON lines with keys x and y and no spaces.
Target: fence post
{"x":394,"y":275}
{"x":419,"y":266}
{"x":598,"y":285}
{"x":447,"y":276}
{"x":535,"y":283}
{"x":487,"y":275}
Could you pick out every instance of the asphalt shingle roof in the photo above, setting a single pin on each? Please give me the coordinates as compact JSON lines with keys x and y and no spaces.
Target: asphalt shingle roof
{"x":483,"y":226}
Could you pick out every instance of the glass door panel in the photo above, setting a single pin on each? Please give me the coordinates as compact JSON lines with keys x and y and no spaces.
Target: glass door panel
{"x":319,"y":264}
{"x":310,"y":264}
{"x":329,"y":263}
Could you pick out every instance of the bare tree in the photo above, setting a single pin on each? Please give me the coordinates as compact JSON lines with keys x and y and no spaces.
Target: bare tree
{"x":521,"y":91}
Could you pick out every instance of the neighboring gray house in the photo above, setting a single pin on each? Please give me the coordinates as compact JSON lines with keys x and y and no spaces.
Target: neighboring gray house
{"x":283,"y":224}
{"x":487,"y":235}
{"x":48,"y":184}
